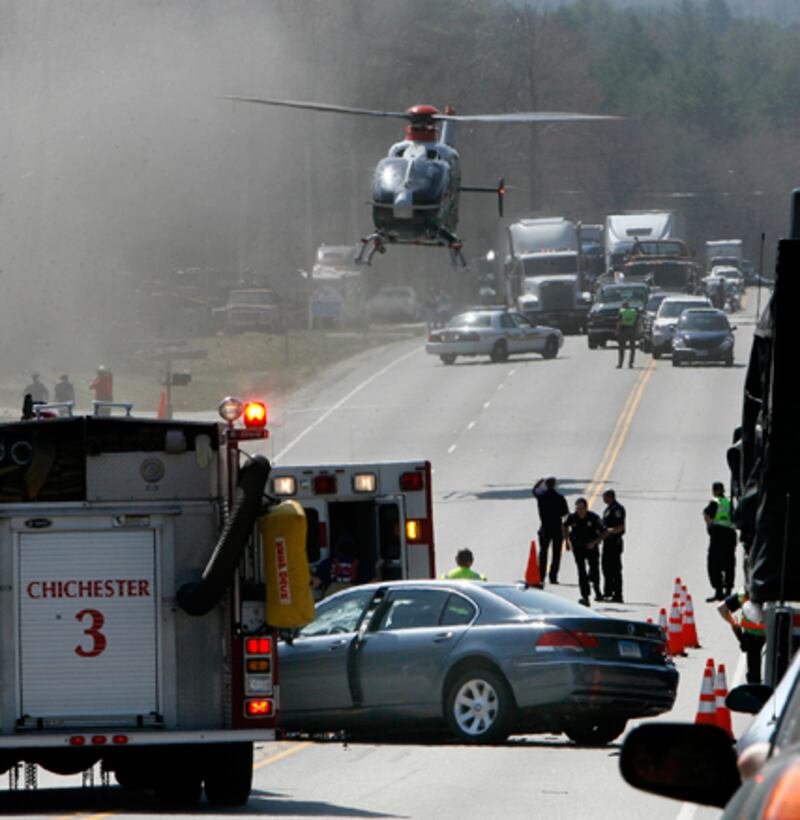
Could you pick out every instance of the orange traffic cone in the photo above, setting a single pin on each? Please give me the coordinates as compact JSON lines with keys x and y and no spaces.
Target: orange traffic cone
{"x":675,"y":631}
{"x":720,"y":693}
{"x":162,"y":405}
{"x":690,"y":638}
{"x":533,"y":578}
{"x":677,"y":588}
{"x":707,"y":706}
{"x":662,"y":622}
{"x":684,"y":594}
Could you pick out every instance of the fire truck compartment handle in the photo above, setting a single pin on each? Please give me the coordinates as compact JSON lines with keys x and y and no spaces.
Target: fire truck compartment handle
{"x":200,"y":597}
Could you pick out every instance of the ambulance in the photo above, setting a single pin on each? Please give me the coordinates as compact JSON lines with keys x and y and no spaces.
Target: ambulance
{"x":146,"y":566}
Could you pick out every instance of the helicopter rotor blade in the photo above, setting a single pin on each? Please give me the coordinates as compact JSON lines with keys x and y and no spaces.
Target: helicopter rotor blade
{"x":311,"y":106}
{"x":523,"y":116}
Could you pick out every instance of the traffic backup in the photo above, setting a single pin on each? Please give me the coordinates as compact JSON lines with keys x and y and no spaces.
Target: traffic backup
{"x":143,"y":579}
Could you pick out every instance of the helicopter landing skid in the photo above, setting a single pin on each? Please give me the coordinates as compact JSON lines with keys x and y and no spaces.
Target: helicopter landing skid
{"x":378,"y":246}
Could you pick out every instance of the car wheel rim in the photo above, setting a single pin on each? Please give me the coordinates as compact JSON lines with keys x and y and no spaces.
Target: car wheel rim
{"x":475,"y":707}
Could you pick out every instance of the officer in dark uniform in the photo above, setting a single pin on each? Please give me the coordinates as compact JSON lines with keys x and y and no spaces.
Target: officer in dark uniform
{"x":552,"y":511}
{"x":582,"y":529}
{"x":614,"y":529}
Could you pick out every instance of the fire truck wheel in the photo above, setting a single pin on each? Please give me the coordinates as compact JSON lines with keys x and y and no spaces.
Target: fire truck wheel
{"x":229,"y":774}
{"x":479,"y":706}
{"x":180,"y":781}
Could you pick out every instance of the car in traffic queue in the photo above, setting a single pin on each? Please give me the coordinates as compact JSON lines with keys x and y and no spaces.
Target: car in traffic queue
{"x":703,"y":335}
{"x":757,"y":778}
{"x":654,"y":301}
{"x":734,"y":283}
{"x":494,"y":332}
{"x":601,"y":323}
{"x":394,"y":303}
{"x":481,"y":660}
{"x":662,"y":328}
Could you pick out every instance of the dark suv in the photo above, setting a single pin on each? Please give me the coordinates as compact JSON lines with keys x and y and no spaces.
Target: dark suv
{"x":601,"y":324}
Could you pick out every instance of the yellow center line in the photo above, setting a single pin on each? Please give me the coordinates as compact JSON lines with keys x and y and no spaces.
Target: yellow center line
{"x":285,"y":753}
{"x":618,"y":436}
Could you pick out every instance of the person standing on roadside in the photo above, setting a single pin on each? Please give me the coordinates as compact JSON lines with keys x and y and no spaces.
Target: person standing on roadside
{"x":718,"y":516}
{"x":37,"y":391}
{"x":614,"y":529}
{"x":750,"y":633}
{"x":553,"y":509}
{"x":582,"y":530}
{"x":463,"y":570}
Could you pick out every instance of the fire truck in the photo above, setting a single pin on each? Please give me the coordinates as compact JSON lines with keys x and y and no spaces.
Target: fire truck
{"x":144,"y":574}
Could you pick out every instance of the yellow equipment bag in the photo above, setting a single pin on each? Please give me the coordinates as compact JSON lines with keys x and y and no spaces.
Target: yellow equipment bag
{"x":290,"y":603}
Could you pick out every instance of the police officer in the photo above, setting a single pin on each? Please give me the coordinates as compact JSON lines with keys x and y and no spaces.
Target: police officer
{"x":552,"y":511}
{"x":463,"y":570}
{"x":718,"y":516}
{"x":627,"y":324}
{"x":582,"y":529}
{"x":749,"y":633}
{"x":613,"y":530}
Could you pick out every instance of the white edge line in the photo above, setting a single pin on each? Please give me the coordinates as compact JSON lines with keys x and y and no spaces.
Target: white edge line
{"x":451,"y":448}
{"x":687,"y":812}
{"x":470,"y":425}
{"x":298,"y":438}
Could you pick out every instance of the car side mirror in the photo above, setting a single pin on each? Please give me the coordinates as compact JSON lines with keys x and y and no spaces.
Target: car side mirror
{"x":748,"y":697}
{"x":684,"y":761}
{"x":734,"y":327}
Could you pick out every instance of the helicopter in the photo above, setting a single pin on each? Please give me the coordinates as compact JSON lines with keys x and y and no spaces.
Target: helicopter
{"x":416,"y":186}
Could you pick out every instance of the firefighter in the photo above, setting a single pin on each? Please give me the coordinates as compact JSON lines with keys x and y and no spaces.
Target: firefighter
{"x":721,"y":562}
{"x":103,"y":385}
{"x":749,"y":633}
{"x":342,"y":570}
{"x":463,"y":570}
{"x":627,"y":326}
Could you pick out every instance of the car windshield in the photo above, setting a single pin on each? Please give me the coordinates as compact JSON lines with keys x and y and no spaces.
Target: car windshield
{"x":614,"y":294}
{"x":671,"y":310}
{"x":471,"y":320}
{"x":702,"y":321}
{"x":535,"y":602}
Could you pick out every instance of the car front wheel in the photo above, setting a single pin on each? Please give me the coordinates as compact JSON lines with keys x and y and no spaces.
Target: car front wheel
{"x":499,"y":351}
{"x":550,"y":348}
{"x":479,"y":707}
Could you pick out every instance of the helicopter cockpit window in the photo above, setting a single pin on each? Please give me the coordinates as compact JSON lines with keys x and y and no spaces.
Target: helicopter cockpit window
{"x":427,"y":180}
{"x":389,"y":176}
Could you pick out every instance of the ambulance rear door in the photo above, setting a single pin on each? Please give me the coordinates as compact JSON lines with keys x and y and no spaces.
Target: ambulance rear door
{"x":390,"y":537}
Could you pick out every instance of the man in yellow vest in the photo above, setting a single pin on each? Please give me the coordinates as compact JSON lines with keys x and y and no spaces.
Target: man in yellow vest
{"x":627,"y":326}
{"x":718,"y":516}
{"x":463,"y":570}
{"x":749,"y":633}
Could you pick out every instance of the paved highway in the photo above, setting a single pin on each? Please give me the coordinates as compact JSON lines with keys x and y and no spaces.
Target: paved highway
{"x":656,"y":434}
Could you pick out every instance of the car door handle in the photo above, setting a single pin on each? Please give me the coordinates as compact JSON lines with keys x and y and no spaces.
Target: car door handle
{"x":338,"y":644}
{"x":442,"y":637}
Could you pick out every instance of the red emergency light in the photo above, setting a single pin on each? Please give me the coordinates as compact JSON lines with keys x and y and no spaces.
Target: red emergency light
{"x":258,"y":708}
{"x":258,"y":646}
{"x":411,"y":482}
{"x":99,"y":740}
{"x":255,"y":414}
{"x":325,"y":485}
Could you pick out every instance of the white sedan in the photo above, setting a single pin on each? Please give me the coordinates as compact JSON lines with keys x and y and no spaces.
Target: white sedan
{"x":495,"y":333}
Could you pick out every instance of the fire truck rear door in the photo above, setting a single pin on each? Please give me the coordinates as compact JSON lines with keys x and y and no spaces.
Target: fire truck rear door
{"x":88,"y":603}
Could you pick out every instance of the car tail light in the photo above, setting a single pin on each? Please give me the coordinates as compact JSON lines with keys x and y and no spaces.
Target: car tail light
{"x":785,"y":798}
{"x":412,"y":482}
{"x":560,"y":640}
{"x":325,"y":485}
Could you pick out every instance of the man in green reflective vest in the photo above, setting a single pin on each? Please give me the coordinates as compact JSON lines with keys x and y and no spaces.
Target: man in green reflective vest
{"x":718,"y":516}
{"x":627,"y":325}
{"x":749,"y":633}
{"x":463,"y":570}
